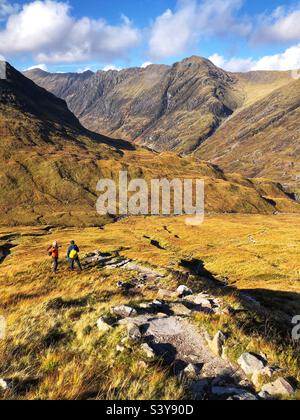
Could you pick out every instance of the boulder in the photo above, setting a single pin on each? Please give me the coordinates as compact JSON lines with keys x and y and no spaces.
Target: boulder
{"x":251,"y":363}
{"x":105,"y":324}
{"x":267,"y":372}
{"x":184,"y":291}
{"x":180,"y":310}
{"x":205,"y":303}
{"x":124,"y":311}
{"x":149,"y":352}
{"x":281,"y":387}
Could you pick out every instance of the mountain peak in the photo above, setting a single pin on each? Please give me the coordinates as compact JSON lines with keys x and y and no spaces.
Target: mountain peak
{"x":37,"y":71}
{"x":195,"y":59}
{"x":18,"y":94}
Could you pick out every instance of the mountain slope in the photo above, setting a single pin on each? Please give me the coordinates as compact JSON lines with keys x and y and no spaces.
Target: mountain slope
{"x":263,"y":140}
{"x":230,"y":119}
{"x":152,"y":106}
{"x":163,"y":107}
{"x":50,"y":165}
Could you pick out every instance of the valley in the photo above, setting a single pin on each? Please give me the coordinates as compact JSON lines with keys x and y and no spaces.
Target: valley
{"x":243,"y":122}
{"x":163,"y":309}
{"x":50,"y":165}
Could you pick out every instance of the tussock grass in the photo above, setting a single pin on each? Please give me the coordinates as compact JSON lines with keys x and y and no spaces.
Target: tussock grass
{"x":58,"y":353}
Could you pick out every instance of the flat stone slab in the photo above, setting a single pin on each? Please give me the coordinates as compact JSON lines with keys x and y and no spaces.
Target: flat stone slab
{"x":141,"y":269}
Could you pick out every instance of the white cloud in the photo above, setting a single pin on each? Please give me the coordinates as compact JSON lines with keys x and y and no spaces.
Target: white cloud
{"x":288,"y":60}
{"x":175,"y":31}
{"x":234,"y":64}
{"x":111,"y":67}
{"x":147,"y":64}
{"x":7,"y":8}
{"x":48,"y":31}
{"x":38,"y":66}
{"x":218,"y":60}
{"x":281,"y":26}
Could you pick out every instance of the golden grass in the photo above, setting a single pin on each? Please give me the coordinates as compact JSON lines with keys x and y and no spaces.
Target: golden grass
{"x":67,"y":356}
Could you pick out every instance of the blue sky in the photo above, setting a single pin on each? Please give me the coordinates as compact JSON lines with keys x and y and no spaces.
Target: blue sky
{"x":74,"y":35}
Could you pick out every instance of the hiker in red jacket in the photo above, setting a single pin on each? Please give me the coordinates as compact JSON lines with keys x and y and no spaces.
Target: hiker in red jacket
{"x":53,"y":251}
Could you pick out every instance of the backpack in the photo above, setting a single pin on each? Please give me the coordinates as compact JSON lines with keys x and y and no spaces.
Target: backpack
{"x":73,"y":254}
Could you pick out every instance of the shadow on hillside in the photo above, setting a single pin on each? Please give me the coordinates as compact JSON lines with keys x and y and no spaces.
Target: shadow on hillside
{"x":287,"y":302}
{"x":117,"y":143}
{"x":266,"y":311}
{"x":5,"y":251}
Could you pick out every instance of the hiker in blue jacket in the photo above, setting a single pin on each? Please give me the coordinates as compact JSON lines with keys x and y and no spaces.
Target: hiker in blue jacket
{"x":73,"y":256}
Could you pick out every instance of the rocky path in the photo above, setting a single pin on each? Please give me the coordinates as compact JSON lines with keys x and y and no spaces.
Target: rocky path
{"x":179,"y":342}
{"x":164,"y":329}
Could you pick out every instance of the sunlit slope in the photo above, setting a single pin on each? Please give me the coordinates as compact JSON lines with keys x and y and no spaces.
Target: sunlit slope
{"x":50,"y":165}
{"x":262,"y":140}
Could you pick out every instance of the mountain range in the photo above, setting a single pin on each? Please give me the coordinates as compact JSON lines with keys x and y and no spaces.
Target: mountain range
{"x":50,"y":165}
{"x":244,"y":122}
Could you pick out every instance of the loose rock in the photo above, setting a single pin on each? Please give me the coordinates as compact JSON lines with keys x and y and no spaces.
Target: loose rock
{"x":158,"y":303}
{"x":149,"y":352}
{"x":259,"y":375}
{"x":192,"y":371}
{"x":105,"y":324}
{"x":134,"y":333}
{"x":279,"y":387}
{"x":124,"y":311}
{"x":180,"y":310}
{"x":251,"y":363}
{"x":184,"y":291}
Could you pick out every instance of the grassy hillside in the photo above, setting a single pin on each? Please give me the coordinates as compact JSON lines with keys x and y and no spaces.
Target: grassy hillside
{"x":53,"y":348}
{"x":257,"y":85}
{"x":50,"y":165}
{"x":245,"y":122}
{"x":262,"y":140}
